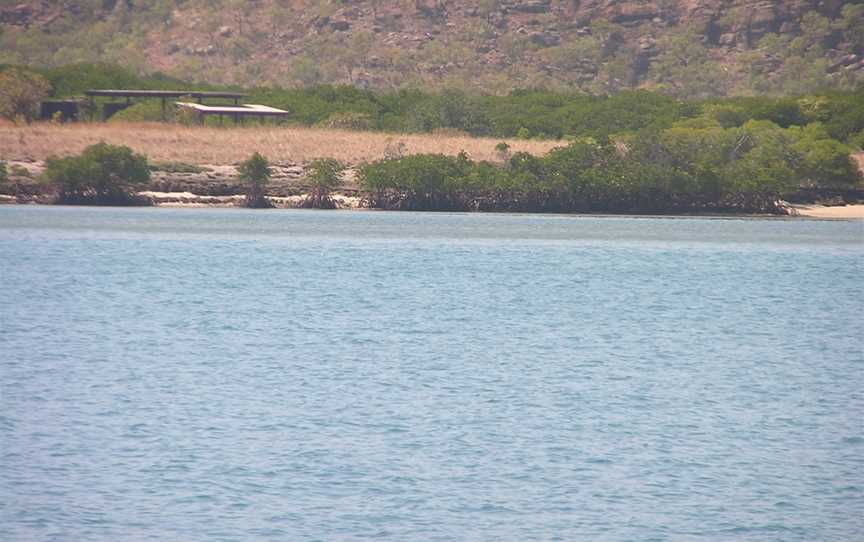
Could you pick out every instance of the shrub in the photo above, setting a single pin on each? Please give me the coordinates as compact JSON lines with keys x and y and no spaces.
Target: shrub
{"x":323,"y":178}
{"x":144,"y":111}
{"x":20,"y":171}
{"x":4,"y":174}
{"x":348,"y":121}
{"x":683,"y":168}
{"x":255,"y":172}
{"x":502,"y":149}
{"x":423,"y":182}
{"x":103,"y":174}
{"x":857,"y":140}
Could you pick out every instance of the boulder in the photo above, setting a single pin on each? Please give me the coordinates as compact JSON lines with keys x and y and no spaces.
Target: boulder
{"x":534,"y":6}
{"x":761,"y":20}
{"x":320,"y":22}
{"x":728,"y":39}
{"x":629,"y":13}
{"x":17,"y":15}
{"x":545,"y":39}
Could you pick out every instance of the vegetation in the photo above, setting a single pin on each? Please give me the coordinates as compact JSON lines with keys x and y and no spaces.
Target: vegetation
{"x":20,"y":171}
{"x":323,"y":177}
{"x":177,"y":167}
{"x":630,"y":151}
{"x":255,"y":172}
{"x":475,"y":45}
{"x":4,"y":175}
{"x":679,"y":169}
{"x":21,"y":91}
{"x":526,"y":114}
{"x":102,"y":175}
{"x":219,"y":146}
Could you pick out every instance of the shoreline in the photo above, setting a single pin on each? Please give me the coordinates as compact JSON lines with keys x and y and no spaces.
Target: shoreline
{"x":215,"y":185}
{"x":829,"y":212}
{"x":354,"y":203}
{"x":186,"y":200}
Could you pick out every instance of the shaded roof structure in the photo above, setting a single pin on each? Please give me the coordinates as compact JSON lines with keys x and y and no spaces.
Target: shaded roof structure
{"x":163,"y":94}
{"x":236,"y":111}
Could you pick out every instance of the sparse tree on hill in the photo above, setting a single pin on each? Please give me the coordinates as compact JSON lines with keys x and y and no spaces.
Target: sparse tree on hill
{"x":20,"y":94}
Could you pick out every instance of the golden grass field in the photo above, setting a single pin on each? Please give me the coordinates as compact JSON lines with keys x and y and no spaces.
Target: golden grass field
{"x":213,"y":145}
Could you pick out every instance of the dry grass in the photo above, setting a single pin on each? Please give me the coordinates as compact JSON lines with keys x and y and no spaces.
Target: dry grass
{"x":206,"y":145}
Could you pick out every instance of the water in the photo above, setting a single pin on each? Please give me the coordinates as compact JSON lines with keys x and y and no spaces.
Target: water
{"x":298,"y":375}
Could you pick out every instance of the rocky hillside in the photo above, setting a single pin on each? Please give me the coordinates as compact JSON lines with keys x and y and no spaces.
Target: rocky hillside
{"x":691,"y":48}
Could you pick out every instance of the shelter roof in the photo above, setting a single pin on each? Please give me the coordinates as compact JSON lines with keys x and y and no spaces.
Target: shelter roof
{"x":162,"y":93}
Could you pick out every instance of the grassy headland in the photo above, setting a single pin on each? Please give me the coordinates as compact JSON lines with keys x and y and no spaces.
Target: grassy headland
{"x":212,"y":145}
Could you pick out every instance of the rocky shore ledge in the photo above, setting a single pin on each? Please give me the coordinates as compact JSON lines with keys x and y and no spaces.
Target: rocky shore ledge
{"x":185,"y":185}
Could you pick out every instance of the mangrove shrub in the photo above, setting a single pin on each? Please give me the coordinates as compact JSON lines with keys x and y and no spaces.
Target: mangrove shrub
{"x":102,"y":174}
{"x":255,"y":172}
{"x":323,"y":178}
{"x":692,"y":166}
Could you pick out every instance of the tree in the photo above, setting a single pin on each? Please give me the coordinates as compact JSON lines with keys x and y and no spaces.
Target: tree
{"x":451,"y":109}
{"x":20,"y":93}
{"x":255,"y":172}
{"x":767,"y":170}
{"x":827,"y":163}
{"x":850,"y":24}
{"x":103,"y":174}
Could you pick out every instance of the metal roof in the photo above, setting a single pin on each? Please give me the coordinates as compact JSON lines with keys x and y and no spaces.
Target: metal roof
{"x":163,"y":93}
{"x":244,"y":110}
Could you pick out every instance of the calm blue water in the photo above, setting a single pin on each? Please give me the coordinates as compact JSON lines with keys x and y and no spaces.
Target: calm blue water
{"x":299,"y":375}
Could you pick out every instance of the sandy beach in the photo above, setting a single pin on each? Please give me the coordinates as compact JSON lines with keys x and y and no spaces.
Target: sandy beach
{"x":835,"y":211}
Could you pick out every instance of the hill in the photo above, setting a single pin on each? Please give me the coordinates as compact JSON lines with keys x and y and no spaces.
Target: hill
{"x":692,"y":48}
